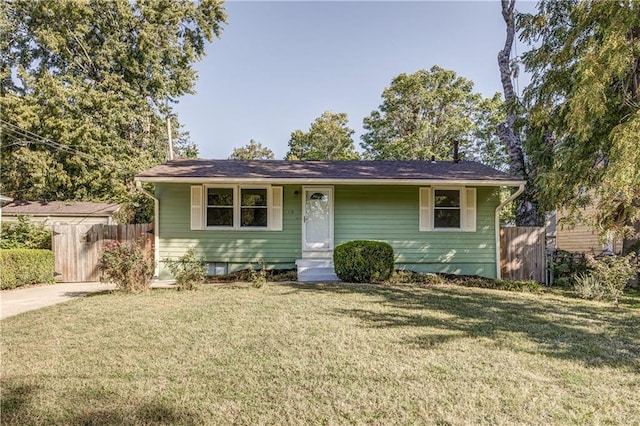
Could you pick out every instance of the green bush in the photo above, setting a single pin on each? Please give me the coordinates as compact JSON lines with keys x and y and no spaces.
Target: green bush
{"x":25,"y":266}
{"x":189,"y":270}
{"x":258,"y":278}
{"x":565,"y":266}
{"x":606,"y":277}
{"x":363,"y":261}
{"x":127,"y":266}
{"x":23,"y":234}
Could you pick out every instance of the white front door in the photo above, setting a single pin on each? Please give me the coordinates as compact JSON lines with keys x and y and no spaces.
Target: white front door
{"x":317,"y":225}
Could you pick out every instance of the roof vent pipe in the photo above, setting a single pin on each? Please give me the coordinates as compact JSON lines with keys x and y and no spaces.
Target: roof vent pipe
{"x":456,"y":155}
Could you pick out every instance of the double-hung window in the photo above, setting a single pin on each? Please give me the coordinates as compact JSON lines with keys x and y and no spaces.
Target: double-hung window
{"x":253,"y":208}
{"x":236,"y":207}
{"x":447,"y":209}
{"x":220,"y":210}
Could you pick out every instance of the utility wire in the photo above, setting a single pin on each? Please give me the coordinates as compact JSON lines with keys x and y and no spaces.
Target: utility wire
{"x":21,"y":134}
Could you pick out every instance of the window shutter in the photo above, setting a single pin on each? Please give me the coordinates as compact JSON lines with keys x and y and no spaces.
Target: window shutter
{"x":470,"y":210}
{"x":275,"y":216}
{"x":196,"y":207}
{"x":426,"y":212}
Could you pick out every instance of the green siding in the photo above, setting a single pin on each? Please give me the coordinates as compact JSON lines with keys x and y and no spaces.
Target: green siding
{"x":390,"y":213}
{"x":278,"y":249}
{"x":385,"y":213}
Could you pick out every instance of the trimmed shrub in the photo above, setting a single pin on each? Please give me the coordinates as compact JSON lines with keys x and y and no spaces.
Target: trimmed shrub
{"x":127,"y":266}
{"x":25,"y":266}
{"x":189,"y":270}
{"x":363,"y":261}
{"x":23,"y":234}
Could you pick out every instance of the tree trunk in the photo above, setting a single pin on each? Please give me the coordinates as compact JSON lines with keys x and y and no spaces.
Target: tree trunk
{"x":527,"y":213}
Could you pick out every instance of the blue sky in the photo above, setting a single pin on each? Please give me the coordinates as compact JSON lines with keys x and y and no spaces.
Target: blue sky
{"x":279,"y":65}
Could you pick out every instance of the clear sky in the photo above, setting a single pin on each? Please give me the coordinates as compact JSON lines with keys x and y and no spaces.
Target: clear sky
{"x":280,"y":65}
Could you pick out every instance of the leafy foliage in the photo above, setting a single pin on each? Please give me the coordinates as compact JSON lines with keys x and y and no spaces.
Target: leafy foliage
{"x":423,"y":113}
{"x":565,"y":266}
{"x":328,"y":138}
{"x":362,"y":261}
{"x":189,"y":270}
{"x":25,"y":234}
{"x":606,"y":277}
{"x":252,"y":151}
{"x":257,"y":278}
{"x":25,"y":266}
{"x":126,"y":265}
{"x":86,"y":89}
{"x":584,"y":102}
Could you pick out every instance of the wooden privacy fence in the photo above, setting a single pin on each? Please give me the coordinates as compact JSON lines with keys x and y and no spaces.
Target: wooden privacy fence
{"x":77,"y":248}
{"x":523,"y":253}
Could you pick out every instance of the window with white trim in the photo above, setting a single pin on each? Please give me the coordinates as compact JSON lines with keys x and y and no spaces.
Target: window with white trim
{"x":220,"y":210}
{"x":253,"y":207}
{"x":447,"y":209}
{"x":236,"y":207}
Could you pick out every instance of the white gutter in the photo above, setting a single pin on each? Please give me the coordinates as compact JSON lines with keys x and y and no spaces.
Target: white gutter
{"x":497,"y":225}
{"x":156,"y":227}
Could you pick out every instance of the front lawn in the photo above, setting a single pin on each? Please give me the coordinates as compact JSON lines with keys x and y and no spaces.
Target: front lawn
{"x":323,"y":354}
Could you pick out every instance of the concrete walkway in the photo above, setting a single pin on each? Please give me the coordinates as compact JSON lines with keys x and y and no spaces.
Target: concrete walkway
{"x":14,"y":302}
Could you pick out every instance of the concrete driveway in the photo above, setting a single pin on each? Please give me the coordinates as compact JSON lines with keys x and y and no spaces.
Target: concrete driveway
{"x":14,"y":302}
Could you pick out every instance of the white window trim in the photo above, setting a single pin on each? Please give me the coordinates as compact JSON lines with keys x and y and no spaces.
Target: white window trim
{"x":237,"y":208}
{"x":205,"y":207}
{"x":427,"y":208}
{"x":462,"y":208}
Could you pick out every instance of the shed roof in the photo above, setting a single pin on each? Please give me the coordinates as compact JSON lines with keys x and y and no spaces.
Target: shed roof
{"x":194,"y":170}
{"x":60,"y":208}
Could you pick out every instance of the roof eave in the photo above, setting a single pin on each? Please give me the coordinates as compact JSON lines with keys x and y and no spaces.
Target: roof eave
{"x":326,"y":181}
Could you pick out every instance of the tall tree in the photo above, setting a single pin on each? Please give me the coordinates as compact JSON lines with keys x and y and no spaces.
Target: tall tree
{"x":252,"y":151}
{"x":584,"y":102}
{"x":422,"y":114}
{"x":328,"y":138}
{"x":86,"y":87}
{"x":527,"y":211}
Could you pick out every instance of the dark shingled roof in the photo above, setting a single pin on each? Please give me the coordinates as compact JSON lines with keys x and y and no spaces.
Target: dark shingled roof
{"x":325,"y":170}
{"x":59,"y":208}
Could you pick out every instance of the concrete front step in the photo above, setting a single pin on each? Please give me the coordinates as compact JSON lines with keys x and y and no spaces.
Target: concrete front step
{"x":310,"y":270}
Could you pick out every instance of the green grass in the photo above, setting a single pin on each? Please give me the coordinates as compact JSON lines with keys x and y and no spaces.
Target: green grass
{"x":323,"y":354}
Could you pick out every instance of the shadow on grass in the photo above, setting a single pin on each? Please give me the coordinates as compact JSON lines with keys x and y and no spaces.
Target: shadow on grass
{"x":86,"y":293}
{"x":15,"y":398}
{"x":560,"y":327}
{"x":147,"y":414}
{"x":16,"y":410}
